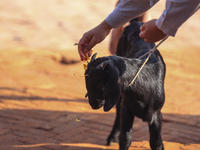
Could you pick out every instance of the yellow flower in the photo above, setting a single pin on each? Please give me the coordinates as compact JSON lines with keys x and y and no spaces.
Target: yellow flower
{"x":78,"y":120}
{"x":86,"y":59}
{"x":85,"y":66}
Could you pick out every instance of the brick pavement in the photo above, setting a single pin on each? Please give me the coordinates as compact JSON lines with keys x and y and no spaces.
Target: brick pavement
{"x":42,"y":106}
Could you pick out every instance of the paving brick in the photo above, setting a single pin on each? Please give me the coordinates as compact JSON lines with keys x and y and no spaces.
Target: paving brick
{"x":97,"y":126}
{"x":45,"y":119}
{"x":182,"y":128}
{"x":185,"y":119}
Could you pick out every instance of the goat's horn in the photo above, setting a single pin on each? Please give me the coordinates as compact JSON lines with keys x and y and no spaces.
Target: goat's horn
{"x":93,"y":57}
{"x":103,"y":64}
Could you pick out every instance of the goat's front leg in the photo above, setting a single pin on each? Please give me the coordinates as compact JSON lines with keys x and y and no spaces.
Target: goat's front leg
{"x":126,"y":124}
{"x":155,"y":132}
{"x":113,"y":138}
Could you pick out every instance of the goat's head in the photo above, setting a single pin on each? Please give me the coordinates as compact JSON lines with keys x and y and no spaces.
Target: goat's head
{"x":102,"y":83}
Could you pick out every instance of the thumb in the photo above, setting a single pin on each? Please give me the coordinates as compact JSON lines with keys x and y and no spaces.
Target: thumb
{"x":142,"y":29}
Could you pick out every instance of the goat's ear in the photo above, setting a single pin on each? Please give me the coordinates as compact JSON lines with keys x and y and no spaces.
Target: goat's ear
{"x":86,"y":95}
{"x":93,"y":57}
{"x":103,"y":64}
{"x":112,"y":91}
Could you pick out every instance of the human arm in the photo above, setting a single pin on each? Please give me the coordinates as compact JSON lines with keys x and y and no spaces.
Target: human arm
{"x":174,"y":15}
{"x":127,"y":10}
{"x":150,"y":32}
{"x":115,"y":35}
{"x":93,"y":37}
{"x":98,"y":34}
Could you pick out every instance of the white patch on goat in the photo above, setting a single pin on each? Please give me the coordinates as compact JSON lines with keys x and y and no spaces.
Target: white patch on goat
{"x":154,"y":119}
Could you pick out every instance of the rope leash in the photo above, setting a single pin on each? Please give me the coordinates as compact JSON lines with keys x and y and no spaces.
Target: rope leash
{"x":151,"y":51}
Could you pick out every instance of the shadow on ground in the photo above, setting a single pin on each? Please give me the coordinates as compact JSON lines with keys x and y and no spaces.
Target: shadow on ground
{"x":46,"y":129}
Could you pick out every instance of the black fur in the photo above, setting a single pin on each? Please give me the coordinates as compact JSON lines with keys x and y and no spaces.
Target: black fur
{"x":107,"y":79}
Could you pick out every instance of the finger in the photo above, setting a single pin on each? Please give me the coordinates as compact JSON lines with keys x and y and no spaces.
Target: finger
{"x":83,"y":42}
{"x":92,"y":43}
{"x":81,"y":54}
{"x":81,"y":46}
{"x":142,"y":28}
{"x":80,"y":51}
{"x":142,"y":31}
{"x":142,"y":35}
{"x":90,"y":53}
{"x":148,"y":41}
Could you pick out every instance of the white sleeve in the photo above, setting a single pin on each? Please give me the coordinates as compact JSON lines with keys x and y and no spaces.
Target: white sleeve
{"x":175,"y":14}
{"x":127,"y":10}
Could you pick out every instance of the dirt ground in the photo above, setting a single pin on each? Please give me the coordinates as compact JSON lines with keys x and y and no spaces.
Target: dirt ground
{"x":42,"y":104}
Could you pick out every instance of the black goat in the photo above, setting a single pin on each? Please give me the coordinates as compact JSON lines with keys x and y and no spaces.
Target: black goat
{"x":107,"y":80}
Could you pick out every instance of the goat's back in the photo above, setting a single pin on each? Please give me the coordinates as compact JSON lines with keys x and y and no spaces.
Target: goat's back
{"x":148,"y":88}
{"x":130,"y":45}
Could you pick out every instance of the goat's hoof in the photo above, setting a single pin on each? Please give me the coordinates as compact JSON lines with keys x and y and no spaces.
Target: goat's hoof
{"x":111,"y":143}
{"x":160,"y":147}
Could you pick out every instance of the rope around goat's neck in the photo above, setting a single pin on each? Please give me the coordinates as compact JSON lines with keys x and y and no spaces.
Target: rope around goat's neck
{"x":150,"y":52}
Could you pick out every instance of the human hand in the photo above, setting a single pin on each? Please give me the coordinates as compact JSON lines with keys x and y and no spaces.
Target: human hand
{"x":93,"y":37}
{"x":150,"y":32}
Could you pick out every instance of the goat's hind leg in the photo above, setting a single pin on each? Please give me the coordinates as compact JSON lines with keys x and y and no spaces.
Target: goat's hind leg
{"x":155,"y":126}
{"x":113,"y":138}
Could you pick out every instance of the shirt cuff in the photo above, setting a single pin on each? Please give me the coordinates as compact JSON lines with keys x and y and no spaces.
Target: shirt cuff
{"x":175,"y":14}
{"x":167,"y":27}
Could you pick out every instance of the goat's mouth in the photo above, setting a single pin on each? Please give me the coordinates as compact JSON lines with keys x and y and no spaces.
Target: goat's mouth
{"x":98,"y":103}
